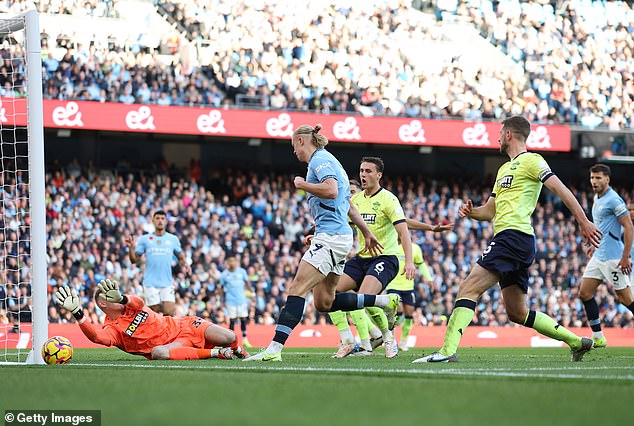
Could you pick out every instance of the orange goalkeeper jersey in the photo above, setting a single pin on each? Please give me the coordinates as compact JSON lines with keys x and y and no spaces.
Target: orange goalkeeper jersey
{"x":137,"y":330}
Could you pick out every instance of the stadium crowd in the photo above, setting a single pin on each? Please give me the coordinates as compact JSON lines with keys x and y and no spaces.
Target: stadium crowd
{"x":261,"y":219}
{"x":358,"y":58}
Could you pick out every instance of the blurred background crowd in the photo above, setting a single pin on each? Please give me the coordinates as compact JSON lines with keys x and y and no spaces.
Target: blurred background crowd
{"x":261,"y":219}
{"x":552,"y":61}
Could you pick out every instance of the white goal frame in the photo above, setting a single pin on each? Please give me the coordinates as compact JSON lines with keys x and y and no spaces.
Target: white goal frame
{"x":29,"y":22}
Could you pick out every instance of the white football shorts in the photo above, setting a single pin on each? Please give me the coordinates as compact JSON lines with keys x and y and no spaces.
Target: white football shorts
{"x":607,"y":271}
{"x":237,"y":311}
{"x":155,"y":295}
{"x":328,"y":253}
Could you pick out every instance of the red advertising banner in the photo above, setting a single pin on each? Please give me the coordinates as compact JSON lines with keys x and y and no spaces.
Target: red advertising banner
{"x":324,"y":336}
{"x":275,"y":124}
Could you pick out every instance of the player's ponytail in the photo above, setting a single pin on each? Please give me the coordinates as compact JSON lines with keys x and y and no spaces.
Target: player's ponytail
{"x":320,"y":141}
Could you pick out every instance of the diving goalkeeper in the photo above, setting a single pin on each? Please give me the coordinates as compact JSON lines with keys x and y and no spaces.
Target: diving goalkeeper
{"x":136,"y":329}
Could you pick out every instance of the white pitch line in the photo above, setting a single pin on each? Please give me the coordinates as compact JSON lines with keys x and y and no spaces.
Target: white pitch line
{"x":452,"y":372}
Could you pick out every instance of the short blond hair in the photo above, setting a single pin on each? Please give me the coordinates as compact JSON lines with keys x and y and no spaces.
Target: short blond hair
{"x":320,"y":141}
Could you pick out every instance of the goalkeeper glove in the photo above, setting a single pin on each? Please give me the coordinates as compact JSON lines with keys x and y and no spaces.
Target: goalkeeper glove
{"x":110,"y":289}
{"x":67,"y":298}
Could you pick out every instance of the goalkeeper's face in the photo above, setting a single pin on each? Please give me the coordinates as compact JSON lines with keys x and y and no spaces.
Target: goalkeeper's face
{"x":104,"y":305}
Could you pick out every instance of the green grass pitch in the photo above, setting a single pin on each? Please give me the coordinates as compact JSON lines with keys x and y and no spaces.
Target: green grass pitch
{"x":489,"y":386}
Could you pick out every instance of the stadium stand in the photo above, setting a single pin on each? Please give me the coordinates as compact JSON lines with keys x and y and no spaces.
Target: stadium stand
{"x":261,"y":219}
{"x":280,"y":55}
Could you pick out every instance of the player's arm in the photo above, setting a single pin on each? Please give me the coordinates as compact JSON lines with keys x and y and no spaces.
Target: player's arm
{"x":326,"y":189}
{"x":131,"y":244}
{"x":415,"y":225}
{"x":485,"y":212}
{"x":403,"y":232}
{"x":372,"y":245}
{"x":309,"y":236}
{"x":67,"y":298}
{"x":590,"y":232}
{"x":628,"y":232}
{"x":425,"y":272}
{"x":182,"y":261}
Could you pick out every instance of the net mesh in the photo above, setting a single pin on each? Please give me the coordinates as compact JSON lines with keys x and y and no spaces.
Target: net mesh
{"x":15,"y":231}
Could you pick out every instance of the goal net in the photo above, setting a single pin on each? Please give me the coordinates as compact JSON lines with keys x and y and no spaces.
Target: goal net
{"x":23,"y":295}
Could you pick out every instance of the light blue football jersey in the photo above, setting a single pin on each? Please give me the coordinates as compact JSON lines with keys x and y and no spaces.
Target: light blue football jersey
{"x":234,"y":284}
{"x":606,"y":212}
{"x":159,"y":253}
{"x":330,"y":215}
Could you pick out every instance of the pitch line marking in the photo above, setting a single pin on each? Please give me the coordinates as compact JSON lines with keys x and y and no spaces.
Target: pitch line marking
{"x":446,"y":372}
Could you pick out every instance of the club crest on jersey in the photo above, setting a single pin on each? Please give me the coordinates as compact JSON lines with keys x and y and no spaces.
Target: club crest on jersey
{"x":368,"y":218}
{"x":138,"y":320}
{"x":506,"y":181}
{"x":376,"y":205}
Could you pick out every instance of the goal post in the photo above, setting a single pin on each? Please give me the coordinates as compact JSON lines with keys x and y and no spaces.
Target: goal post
{"x":23,"y":220}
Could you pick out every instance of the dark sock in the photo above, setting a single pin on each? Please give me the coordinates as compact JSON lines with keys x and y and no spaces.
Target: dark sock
{"x":631,"y":307}
{"x":351,"y":301}
{"x":232,"y":324}
{"x":592,"y":312}
{"x":290,"y":316}
{"x":243,"y":326}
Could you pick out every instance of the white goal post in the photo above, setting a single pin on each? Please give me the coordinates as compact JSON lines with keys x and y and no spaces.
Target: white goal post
{"x":23,"y":28}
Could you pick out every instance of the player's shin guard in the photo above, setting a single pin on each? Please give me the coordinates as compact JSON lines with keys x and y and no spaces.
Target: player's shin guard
{"x":340,"y":320}
{"x":547,"y":326}
{"x":189,"y":353}
{"x":461,"y":317}
{"x":592,"y":312}
{"x":407,"y":327}
{"x":290,"y":316}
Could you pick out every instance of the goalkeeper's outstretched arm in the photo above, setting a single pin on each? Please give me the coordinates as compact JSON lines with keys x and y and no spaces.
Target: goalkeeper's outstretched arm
{"x":107,"y":297}
{"x":67,"y":298}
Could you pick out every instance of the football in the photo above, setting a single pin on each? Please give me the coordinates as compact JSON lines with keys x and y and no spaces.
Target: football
{"x":57,"y":350}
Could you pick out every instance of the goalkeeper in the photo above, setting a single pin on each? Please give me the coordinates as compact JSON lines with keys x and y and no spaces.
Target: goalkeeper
{"x":136,"y":329}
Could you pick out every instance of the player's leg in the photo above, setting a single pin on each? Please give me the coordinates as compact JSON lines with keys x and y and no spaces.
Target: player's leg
{"x":244,"y":321}
{"x":307,"y":277}
{"x":408,"y":322}
{"x":593,"y":275}
{"x":621,"y":284}
{"x":351,"y":302}
{"x":361,"y":323}
{"x":625,"y":298}
{"x":346,"y":283}
{"x":587,"y":290}
{"x":380,"y":272}
{"x":243,"y":316}
{"x":376,"y":338}
{"x":477,"y":282}
{"x":168,"y":301}
{"x":378,"y":275}
{"x":152,"y":298}
{"x":516,"y":304}
{"x":232,"y":313}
